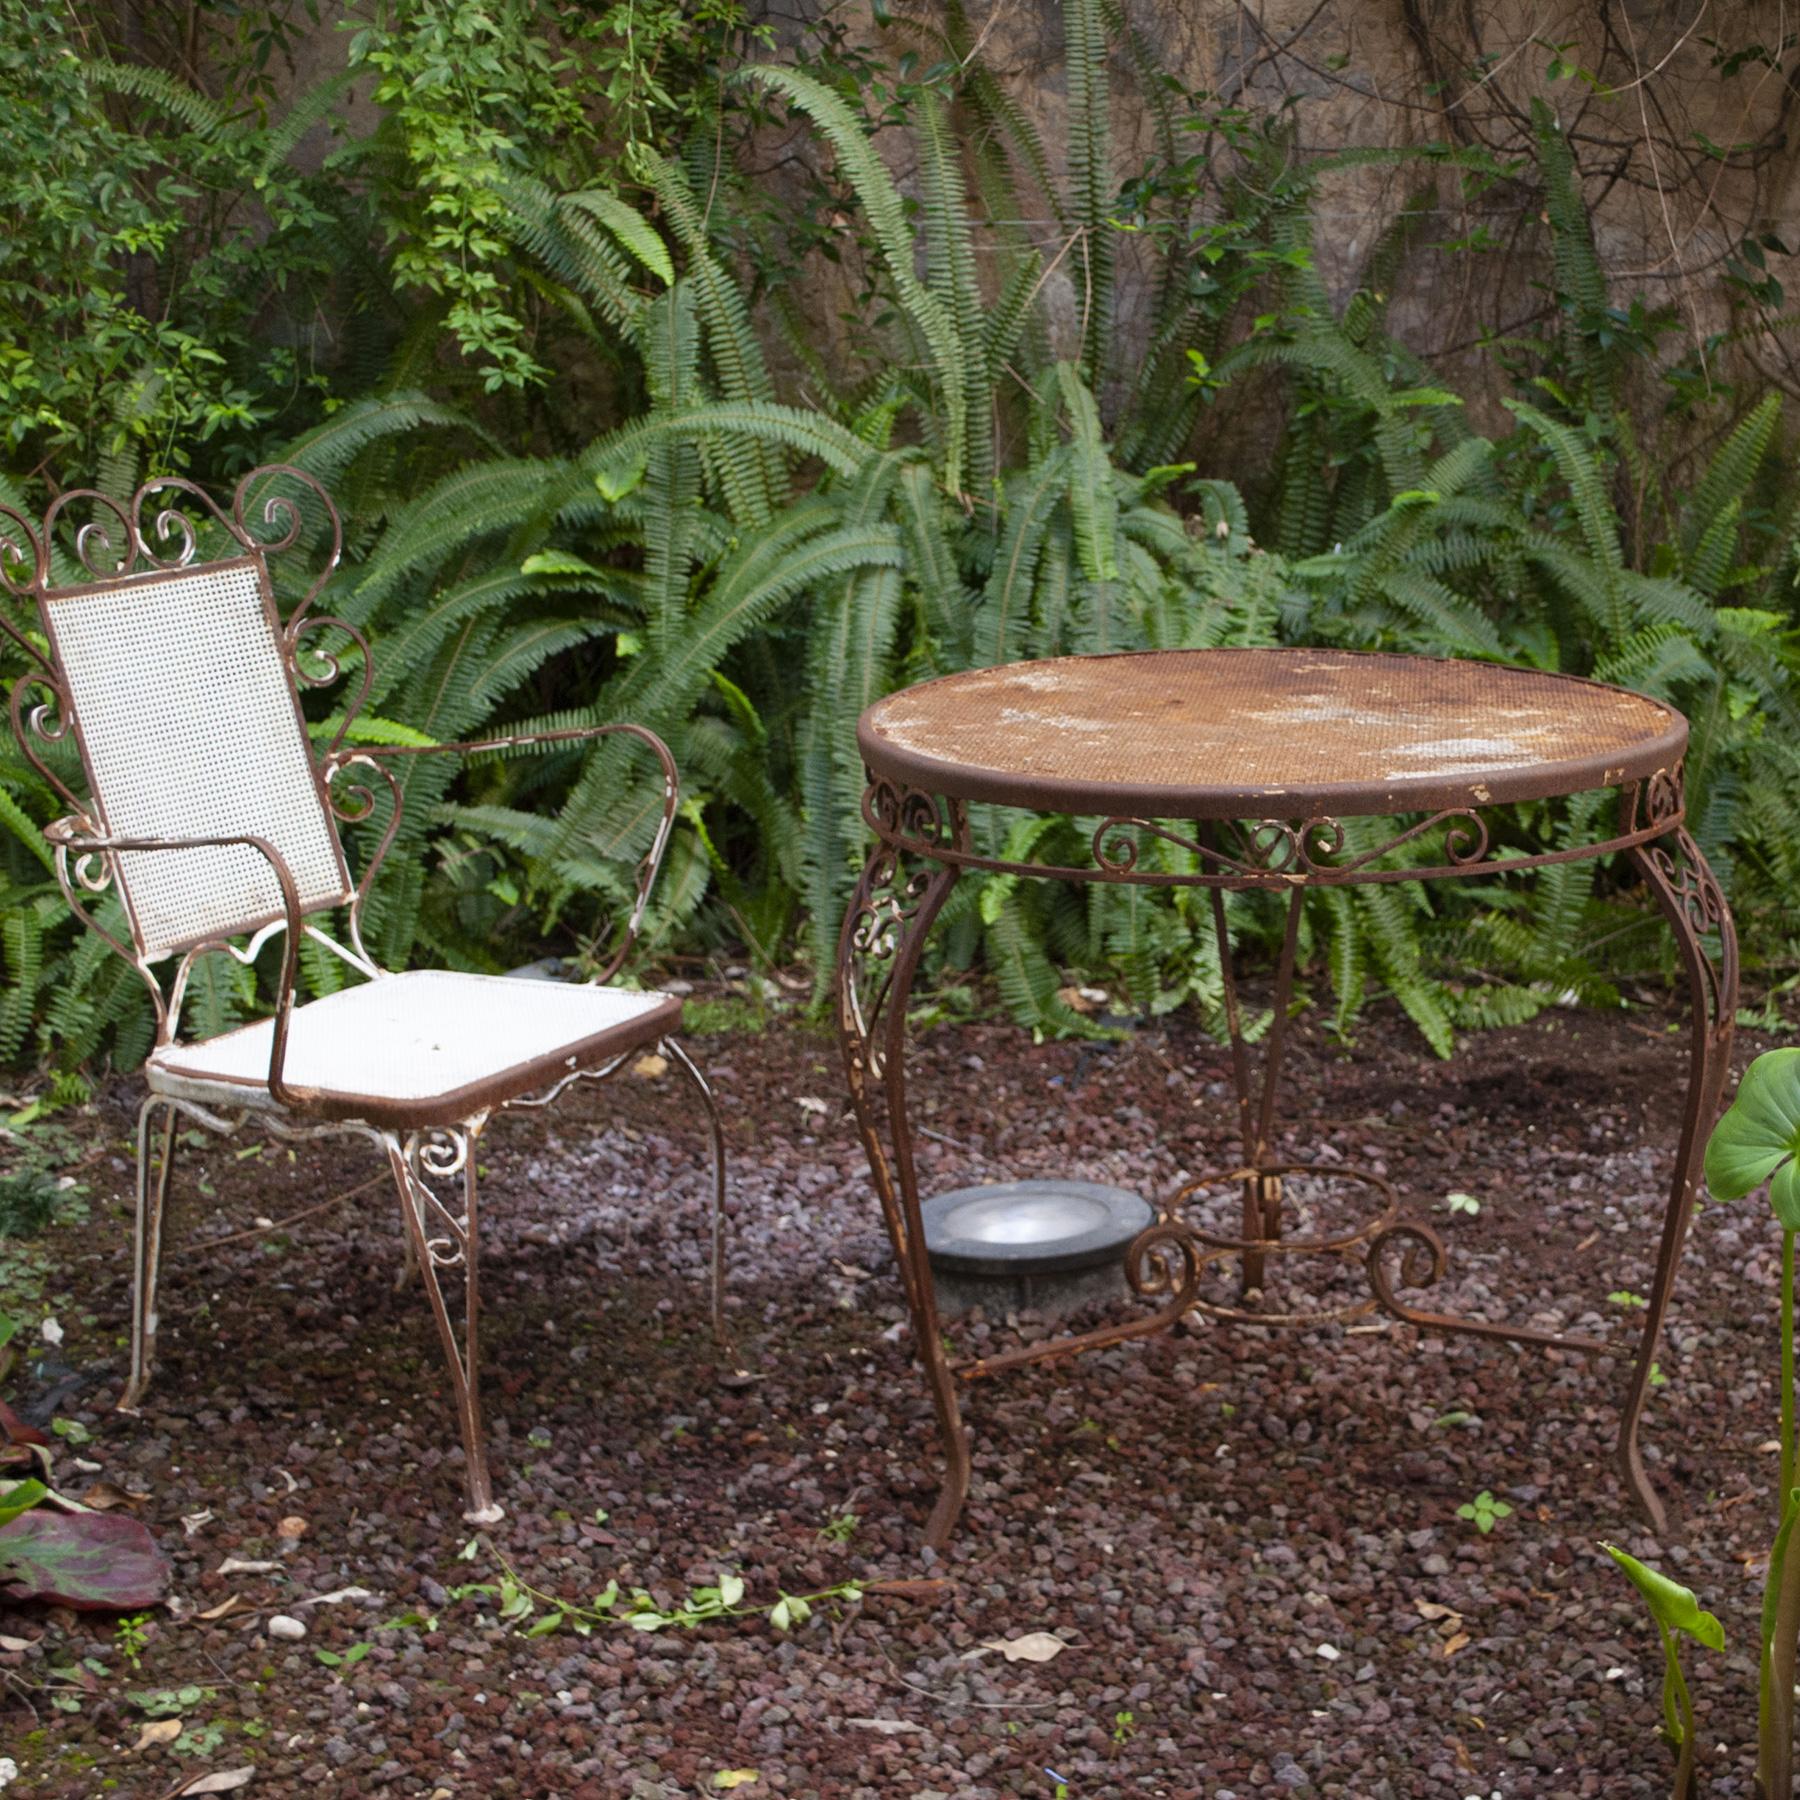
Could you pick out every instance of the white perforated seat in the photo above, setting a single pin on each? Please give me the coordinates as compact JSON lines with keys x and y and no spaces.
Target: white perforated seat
{"x":419,"y":1049}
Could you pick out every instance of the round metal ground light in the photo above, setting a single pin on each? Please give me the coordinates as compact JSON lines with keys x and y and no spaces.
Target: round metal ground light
{"x":1048,"y":1244}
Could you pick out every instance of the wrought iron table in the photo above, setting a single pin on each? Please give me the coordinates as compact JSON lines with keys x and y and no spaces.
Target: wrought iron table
{"x":1236,"y":770}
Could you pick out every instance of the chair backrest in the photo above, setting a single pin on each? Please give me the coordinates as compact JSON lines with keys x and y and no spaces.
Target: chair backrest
{"x":180,"y":685}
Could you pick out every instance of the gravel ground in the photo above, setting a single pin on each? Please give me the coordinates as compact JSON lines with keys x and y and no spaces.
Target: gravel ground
{"x":1248,"y":1540}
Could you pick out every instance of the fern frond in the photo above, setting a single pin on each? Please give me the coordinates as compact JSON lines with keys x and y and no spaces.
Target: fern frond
{"x":198,"y":112}
{"x":1091,"y":498}
{"x":1090,"y":177}
{"x":881,"y":202}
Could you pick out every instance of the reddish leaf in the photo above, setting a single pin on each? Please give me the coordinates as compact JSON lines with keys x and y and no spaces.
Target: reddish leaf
{"x":14,"y":1430}
{"x":95,"y":1562}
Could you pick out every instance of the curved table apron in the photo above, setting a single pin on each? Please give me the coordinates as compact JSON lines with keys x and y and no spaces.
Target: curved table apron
{"x":1237,"y":770}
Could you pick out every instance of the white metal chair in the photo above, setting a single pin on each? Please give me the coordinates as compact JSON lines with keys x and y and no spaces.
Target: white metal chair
{"x":207,"y":808}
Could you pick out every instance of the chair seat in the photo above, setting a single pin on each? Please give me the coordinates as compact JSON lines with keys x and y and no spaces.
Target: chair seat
{"x":421,"y":1049}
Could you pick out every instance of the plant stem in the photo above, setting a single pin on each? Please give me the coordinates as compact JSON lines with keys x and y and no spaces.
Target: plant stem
{"x":1686,"y":1779}
{"x":1787,"y":1376}
{"x":1775,"y":1723}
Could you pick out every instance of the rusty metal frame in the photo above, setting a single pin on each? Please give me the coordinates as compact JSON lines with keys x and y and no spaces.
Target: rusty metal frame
{"x":157,"y":536}
{"x":923,"y":842}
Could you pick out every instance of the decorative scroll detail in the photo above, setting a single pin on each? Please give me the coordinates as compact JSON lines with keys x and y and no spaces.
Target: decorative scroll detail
{"x":20,"y":543}
{"x":1163,"y":1260}
{"x":1422,"y":1264}
{"x":1252,"y":1252}
{"x":283,"y":512}
{"x":318,"y":667}
{"x":1294,"y":850}
{"x":887,"y":902}
{"x":1663,"y":799}
{"x":41,"y":722}
{"x":91,"y":873}
{"x":172,"y":523}
{"x":1695,"y":887}
{"x":1688,"y":891}
{"x":161,"y":529}
{"x":354,"y":804}
{"x":1252,"y":853}
{"x":441,"y":1154}
{"x":93,"y":540}
{"x":912,"y":816}
{"x":878,"y":920}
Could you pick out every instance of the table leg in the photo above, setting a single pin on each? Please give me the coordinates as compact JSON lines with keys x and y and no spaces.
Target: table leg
{"x":890,"y":916}
{"x":1256,"y":1117}
{"x":1692,"y":903}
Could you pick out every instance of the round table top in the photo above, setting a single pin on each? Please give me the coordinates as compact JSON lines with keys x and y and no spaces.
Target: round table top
{"x":1288,"y":733}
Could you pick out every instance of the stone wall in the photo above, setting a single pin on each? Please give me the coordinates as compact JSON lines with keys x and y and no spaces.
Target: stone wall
{"x":1652,"y":86}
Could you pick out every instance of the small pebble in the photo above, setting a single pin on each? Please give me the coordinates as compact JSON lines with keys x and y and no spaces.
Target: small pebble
{"x":281,"y":1626}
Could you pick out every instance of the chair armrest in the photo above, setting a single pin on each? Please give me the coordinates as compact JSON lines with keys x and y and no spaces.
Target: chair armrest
{"x":67,"y":842}
{"x":652,"y":860}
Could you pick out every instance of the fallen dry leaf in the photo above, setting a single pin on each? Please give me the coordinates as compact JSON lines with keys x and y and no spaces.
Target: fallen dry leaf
{"x":887,"y":1727}
{"x":1454,"y":1644}
{"x":15,"y":1643}
{"x":811,"y":1103}
{"x":159,"y":1731}
{"x":192,"y":1522}
{"x":650,"y":1066}
{"x":103,"y":1496}
{"x":220,"y":1781}
{"x":336,"y":1594}
{"x":915,"y":1588}
{"x":1074,"y":999}
{"x":226,"y":1607}
{"x":1034,"y":1646}
{"x":736,"y":1778}
{"x":236,"y":1565}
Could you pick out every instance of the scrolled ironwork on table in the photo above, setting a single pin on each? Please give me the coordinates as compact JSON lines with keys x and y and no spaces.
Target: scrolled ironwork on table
{"x":888,"y":902}
{"x":1267,"y":852}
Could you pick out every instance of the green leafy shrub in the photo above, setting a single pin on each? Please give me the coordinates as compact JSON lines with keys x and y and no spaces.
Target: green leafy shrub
{"x":652,"y":530}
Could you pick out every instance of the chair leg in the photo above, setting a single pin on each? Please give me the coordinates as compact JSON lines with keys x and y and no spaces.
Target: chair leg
{"x":447,"y":1154}
{"x":147,"y":1257}
{"x":409,"y":1261}
{"x":716,"y":1138}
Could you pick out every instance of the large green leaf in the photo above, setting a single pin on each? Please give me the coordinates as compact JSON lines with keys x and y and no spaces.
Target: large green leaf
{"x":95,"y":1562}
{"x":1758,"y":1139}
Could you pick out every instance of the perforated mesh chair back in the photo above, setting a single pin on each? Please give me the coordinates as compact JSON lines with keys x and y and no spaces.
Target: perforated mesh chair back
{"x":182,"y":692}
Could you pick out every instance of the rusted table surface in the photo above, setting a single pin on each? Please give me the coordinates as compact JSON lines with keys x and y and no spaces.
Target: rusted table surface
{"x":1213,"y":734}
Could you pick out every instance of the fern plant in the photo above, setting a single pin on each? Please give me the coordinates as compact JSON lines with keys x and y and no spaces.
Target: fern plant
{"x":745,"y":565}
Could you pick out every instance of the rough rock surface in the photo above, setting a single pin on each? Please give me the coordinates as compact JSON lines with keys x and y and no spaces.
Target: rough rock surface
{"x":1249,"y":1539}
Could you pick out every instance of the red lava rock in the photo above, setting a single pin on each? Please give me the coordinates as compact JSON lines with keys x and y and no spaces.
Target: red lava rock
{"x":1197,"y":1515}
